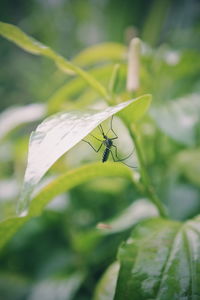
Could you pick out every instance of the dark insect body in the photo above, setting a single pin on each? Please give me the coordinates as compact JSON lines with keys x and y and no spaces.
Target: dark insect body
{"x":108,"y":143}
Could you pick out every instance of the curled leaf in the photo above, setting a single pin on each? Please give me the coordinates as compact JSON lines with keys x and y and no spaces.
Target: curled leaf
{"x":60,"y":132}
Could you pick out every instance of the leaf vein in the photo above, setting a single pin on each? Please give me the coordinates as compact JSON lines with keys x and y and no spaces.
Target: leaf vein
{"x":166,"y":265}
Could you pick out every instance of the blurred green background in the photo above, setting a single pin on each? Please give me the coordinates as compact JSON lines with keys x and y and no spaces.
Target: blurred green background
{"x":59,"y":255}
{"x":70,"y":26}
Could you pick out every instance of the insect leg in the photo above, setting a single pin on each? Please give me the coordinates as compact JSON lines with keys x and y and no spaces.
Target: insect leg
{"x":95,"y":137}
{"x":96,"y":150}
{"x":111,"y":128}
{"x":118,"y":160}
{"x":112,"y":156}
{"x":121,"y":159}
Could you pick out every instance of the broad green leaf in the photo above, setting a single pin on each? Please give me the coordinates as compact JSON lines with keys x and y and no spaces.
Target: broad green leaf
{"x":160,"y":260}
{"x":63,"y":183}
{"x":179,"y":118}
{"x":60,"y":132}
{"x":188,"y":162}
{"x":133,"y":113}
{"x":74,"y":178}
{"x":16,"y":35}
{"x":137,"y":211}
{"x":105,"y":289}
{"x":100,"y":53}
{"x":15,"y":116}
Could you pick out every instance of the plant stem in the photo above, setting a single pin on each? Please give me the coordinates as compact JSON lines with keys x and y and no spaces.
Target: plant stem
{"x":148,"y":188}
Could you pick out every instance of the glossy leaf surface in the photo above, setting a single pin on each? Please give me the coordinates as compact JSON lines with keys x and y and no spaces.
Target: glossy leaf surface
{"x":60,"y":132}
{"x":160,"y":260}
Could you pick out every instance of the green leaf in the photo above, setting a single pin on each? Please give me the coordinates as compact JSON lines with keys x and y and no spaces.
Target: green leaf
{"x":76,"y":86}
{"x":9,"y":227}
{"x":160,"y":260}
{"x":63,"y":183}
{"x":135,"y":112}
{"x":14,"y":34}
{"x":188,"y":163}
{"x":100,"y":53}
{"x":137,"y":211}
{"x":74,"y":178}
{"x":106,"y":287}
{"x":179,"y":118}
{"x":114,"y":79}
{"x":60,"y":132}
{"x":57,"y":288}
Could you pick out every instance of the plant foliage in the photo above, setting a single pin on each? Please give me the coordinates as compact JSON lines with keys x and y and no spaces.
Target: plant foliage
{"x":161,"y":257}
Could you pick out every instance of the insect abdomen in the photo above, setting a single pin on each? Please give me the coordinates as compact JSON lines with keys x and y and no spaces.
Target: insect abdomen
{"x":105,"y":155}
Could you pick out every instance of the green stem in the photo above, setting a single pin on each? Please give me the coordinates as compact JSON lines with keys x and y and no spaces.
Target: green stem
{"x":148,"y":188}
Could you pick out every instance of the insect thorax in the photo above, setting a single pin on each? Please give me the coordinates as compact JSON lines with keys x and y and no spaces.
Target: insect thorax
{"x":108,"y":142}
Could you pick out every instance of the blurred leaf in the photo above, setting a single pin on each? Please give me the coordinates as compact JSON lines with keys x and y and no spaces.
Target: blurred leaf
{"x":188,"y":162}
{"x":183,"y":200}
{"x":137,"y":211}
{"x":13,"y":286}
{"x":75,"y":86}
{"x":9,"y":227}
{"x":134,"y":113}
{"x":60,"y":132}
{"x":179,"y":118}
{"x":63,"y":183}
{"x":105,"y":289}
{"x":15,"y":116}
{"x":161,"y":260}
{"x":74,"y":178}
{"x":188,"y":66}
{"x":56,"y":288}
{"x":14,"y":34}
{"x":100,"y":53}
{"x":114,"y":79}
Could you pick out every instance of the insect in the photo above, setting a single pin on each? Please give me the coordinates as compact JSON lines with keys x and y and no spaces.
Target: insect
{"x":109,"y":145}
